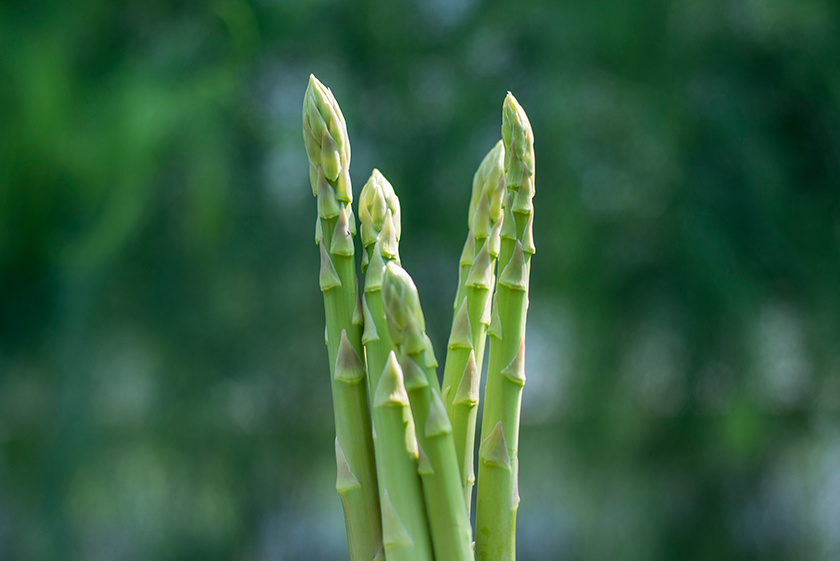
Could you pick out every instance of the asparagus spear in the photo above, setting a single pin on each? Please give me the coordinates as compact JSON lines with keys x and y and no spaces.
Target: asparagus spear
{"x":438,"y":464}
{"x":328,"y":150}
{"x":465,"y":351}
{"x":405,"y":526}
{"x":498,"y":494}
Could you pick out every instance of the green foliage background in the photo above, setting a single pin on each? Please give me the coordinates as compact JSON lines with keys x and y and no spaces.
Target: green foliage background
{"x":163,"y":379}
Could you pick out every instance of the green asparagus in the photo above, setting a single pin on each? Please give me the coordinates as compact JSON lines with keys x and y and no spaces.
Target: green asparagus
{"x":465,"y":351}
{"x":498,"y":493}
{"x":328,"y":149}
{"x":405,"y":525}
{"x":438,"y":468}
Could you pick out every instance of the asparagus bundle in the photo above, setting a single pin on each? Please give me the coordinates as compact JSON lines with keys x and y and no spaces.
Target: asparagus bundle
{"x":399,"y":425}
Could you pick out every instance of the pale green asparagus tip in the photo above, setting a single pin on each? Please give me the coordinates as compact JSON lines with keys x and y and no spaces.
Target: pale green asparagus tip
{"x":489,"y":180}
{"x":406,"y":323}
{"x":379,"y":214}
{"x":325,"y":139}
{"x":519,"y":145}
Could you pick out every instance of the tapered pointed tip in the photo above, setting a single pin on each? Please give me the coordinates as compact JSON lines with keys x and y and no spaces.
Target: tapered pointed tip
{"x":461,"y":335}
{"x":468,"y":253}
{"x":413,"y":374}
{"x":342,"y":239}
{"x":348,"y":366}
{"x":369,"y":332}
{"x":380,"y":554}
{"x":487,"y":313}
{"x":358,"y":313}
{"x":388,"y":237}
{"x":515,"y":275}
{"x":481,"y":272}
{"x":345,"y":479}
{"x":394,"y":533}
{"x":513,"y":113}
{"x":482,"y":224}
{"x":327,"y":201}
{"x":375,"y":270}
{"x":468,"y":388}
{"x":390,"y":392}
{"x":528,"y":236}
{"x":429,"y":353}
{"x":328,"y":277}
{"x":515,"y":370}
{"x":424,"y":466}
{"x":493,"y":451}
{"x":495,"y":329}
{"x":376,"y":198}
{"x":437,"y":421}
{"x":496,"y":237}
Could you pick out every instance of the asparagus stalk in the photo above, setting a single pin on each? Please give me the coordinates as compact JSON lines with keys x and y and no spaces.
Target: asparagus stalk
{"x":405,"y":526}
{"x":465,"y":351}
{"x":379,"y":215}
{"x":438,"y":465}
{"x":328,"y":150}
{"x":498,"y":494}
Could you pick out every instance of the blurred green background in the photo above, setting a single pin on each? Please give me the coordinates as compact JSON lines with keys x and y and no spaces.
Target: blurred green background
{"x":163,"y":379}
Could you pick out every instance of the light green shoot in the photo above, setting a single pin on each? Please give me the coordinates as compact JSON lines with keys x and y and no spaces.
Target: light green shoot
{"x":328,"y":149}
{"x":498,"y":491}
{"x":438,"y":466}
{"x":465,"y":350}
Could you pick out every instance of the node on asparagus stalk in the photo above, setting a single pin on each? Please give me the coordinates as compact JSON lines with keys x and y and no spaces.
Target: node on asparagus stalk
{"x":438,"y":465}
{"x":465,"y":350}
{"x":405,"y":525}
{"x":498,"y":494}
{"x":328,"y":150}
